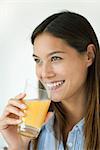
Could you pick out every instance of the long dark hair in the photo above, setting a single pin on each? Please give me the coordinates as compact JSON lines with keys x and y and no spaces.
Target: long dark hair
{"x":78,"y":33}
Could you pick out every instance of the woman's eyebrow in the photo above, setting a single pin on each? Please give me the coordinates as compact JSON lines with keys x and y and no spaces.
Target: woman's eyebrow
{"x":55,"y":52}
{"x":52,"y":53}
{"x":34,"y":55}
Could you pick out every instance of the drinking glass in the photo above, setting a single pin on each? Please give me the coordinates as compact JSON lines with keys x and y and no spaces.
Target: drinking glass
{"x":37,"y":102}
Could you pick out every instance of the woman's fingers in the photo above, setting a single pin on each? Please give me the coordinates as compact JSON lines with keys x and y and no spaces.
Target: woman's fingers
{"x":14,"y":110}
{"x":4,"y":123}
{"x":17,"y":103}
{"x":15,"y":107}
{"x":12,"y":121}
{"x":20,"y":96}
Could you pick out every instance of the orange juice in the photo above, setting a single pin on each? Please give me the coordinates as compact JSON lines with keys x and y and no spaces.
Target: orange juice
{"x":34,"y":118}
{"x":36,"y":112}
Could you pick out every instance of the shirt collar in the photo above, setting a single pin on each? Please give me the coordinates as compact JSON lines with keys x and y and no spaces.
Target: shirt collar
{"x":49,"y":125}
{"x":78,"y":126}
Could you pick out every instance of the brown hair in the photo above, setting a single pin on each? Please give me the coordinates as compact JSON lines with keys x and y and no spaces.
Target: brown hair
{"x":78,"y":33}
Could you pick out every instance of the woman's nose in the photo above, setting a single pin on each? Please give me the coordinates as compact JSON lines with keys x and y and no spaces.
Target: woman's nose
{"x":47,"y":71}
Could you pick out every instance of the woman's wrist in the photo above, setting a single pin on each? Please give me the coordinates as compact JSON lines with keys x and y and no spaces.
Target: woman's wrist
{"x":16,"y":148}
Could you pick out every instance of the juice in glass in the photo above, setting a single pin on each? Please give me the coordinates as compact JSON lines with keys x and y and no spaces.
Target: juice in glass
{"x":34,"y":118}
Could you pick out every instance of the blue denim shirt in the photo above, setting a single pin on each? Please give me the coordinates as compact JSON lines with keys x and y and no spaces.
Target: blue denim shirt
{"x":47,"y":140}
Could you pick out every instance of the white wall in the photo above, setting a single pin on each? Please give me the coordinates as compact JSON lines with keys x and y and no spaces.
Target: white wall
{"x":18,"y":18}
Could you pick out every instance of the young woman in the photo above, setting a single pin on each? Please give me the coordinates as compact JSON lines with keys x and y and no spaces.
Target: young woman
{"x":67,"y":56}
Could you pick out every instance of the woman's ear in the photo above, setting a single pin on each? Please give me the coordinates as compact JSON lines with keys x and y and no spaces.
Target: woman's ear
{"x":90,"y":54}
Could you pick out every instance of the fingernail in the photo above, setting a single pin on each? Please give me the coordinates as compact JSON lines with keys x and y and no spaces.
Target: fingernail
{"x":19,"y":121}
{"x":22,"y":106}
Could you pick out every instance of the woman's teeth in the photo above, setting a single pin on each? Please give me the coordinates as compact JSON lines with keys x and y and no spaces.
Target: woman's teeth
{"x":55,"y":85}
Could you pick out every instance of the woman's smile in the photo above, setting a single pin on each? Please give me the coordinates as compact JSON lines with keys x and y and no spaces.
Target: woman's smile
{"x":54,"y":85}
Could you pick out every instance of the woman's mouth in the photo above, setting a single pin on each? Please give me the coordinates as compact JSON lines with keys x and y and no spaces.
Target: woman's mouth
{"x":54,"y":85}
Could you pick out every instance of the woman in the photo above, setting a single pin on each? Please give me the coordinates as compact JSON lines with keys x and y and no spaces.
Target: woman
{"x":67,"y":54}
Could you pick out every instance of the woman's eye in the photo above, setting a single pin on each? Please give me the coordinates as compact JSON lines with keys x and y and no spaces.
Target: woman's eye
{"x":55,"y":58}
{"x":38,"y":61}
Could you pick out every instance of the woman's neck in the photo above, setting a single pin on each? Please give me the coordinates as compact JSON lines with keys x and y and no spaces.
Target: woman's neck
{"x":75,"y":108}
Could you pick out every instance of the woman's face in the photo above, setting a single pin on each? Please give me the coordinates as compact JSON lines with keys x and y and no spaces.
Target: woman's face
{"x":60,"y":68}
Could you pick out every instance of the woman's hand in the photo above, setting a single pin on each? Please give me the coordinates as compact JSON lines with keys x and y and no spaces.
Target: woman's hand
{"x":9,"y":121}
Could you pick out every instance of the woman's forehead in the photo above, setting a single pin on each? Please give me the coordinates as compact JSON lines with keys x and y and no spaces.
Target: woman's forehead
{"x":50,"y":44}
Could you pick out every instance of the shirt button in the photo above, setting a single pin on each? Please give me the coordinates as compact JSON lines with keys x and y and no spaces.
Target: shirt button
{"x":70,"y":144}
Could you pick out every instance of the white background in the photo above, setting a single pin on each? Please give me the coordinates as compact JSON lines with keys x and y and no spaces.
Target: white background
{"x":18,"y":18}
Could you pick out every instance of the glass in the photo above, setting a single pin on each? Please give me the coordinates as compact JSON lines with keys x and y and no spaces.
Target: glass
{"x":38,"y":103}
